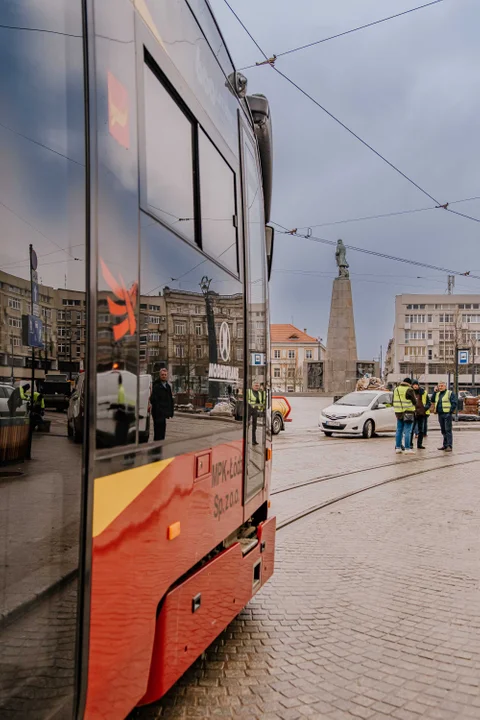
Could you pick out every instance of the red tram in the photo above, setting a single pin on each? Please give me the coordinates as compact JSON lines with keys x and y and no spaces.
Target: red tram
{"x":134,"y":202}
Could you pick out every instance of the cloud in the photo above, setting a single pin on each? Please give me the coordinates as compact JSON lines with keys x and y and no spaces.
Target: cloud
{"x":408,"y":87}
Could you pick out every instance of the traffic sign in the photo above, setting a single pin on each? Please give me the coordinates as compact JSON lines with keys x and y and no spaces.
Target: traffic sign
{"x":32,"y":328}
{"x":463,"y":357}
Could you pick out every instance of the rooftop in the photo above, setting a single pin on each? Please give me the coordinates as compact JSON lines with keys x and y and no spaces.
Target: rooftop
{"x":289,"y":333}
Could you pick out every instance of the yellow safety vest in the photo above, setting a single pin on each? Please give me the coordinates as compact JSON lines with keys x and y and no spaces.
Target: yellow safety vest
{"x":252,"y":400}
{"x":446,"y":404}
{"x":400,"y":401}
{"x":425,"y":398}
{"x":121,"y":395}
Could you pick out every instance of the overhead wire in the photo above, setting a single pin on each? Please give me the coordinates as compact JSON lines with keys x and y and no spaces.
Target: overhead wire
{"x":384,"y":215}
{"x":294,"y":84}
{"x":376,"y":253}
{"x":341,"y":34}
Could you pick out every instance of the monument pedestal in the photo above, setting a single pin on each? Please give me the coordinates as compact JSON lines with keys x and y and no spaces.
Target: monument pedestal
{"x":341,"y":360}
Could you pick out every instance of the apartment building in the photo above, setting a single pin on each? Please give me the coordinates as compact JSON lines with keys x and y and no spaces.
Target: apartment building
{"x":291,"y":349}
{"x":428,"y":330}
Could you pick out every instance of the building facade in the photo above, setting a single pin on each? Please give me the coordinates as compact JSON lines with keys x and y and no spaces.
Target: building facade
{"x":291,"y":351}
{"x":428,"y":331}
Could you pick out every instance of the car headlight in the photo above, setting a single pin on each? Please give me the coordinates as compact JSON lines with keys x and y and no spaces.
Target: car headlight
{"x":355,"y":414}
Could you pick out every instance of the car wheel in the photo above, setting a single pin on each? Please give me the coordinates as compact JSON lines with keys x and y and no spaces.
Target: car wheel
{"x":328,"y":434}
{"x":276,"y":424}
{"x":368,"y":429}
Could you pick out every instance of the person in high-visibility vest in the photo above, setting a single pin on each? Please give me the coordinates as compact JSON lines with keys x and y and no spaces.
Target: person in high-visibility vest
{"x":122,"y":422}
{"x":38,"y":406}
{"x":404,"y":404}
{"x":444,"y":405}
{"x":422,"y":412}
{"x":256,"y":405}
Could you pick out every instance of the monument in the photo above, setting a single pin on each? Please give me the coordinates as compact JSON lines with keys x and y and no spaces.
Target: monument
{"x":341,"y":359}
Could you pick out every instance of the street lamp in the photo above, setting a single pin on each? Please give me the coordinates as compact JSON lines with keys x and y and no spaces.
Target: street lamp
{"x":212,"y":340}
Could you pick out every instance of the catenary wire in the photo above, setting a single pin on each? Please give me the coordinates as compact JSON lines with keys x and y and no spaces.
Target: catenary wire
{"x":331,"y":115}
{"x":342,"y":34}
{"x":376,"y":253}
{"x":383,"y":215}
{"x":343,"y":125}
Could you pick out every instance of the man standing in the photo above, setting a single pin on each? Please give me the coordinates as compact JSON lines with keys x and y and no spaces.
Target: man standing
{"x":422,"y":411}
{"x":161,"y":401}
{"x":404,"y":404}
{"x":444,"y":405}
{"x":256,"y":405}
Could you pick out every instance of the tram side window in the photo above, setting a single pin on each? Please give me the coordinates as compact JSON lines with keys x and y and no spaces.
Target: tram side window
{"x":217,"y":181}
{"x":169,"y":158}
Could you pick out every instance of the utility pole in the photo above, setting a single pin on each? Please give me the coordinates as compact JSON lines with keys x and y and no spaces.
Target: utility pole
{"x":450,"y":284}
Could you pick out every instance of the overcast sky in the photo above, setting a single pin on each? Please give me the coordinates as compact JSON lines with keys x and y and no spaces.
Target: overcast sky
{"x":409,"y":87}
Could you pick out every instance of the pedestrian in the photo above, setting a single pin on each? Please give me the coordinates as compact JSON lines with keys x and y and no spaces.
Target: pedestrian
{"x":404,"y":405}
{"x":422,"y":411}
{"x":161,"y":401}
{"x":444,"y":405}
{"x":122,"y":420}
{"x":256,"y":405}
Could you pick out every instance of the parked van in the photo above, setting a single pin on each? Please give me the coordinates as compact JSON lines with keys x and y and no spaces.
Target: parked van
{"x":107,"y":406}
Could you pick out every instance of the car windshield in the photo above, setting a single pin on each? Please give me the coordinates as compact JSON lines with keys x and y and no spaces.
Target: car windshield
{"x":357,"y":399}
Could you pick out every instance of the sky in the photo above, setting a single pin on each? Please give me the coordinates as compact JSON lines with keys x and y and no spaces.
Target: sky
{"x":409,"y":88}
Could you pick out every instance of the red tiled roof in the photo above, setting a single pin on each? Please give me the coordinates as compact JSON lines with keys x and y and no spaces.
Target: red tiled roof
{"x":289,"y":333}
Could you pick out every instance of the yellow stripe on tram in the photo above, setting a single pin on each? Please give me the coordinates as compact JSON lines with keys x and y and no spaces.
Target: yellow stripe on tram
{"x":113,"y":493}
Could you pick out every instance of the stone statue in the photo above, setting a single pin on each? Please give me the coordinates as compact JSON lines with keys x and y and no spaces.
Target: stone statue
{"x":341,"y":258}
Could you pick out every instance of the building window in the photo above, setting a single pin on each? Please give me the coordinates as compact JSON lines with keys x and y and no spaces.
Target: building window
{"x":61,"y":315}
{"x":154,"y":337}
{"x":179,"y":351}
{"x":154,"y":319}
{"x":291,"y":354}
{"x":276,"y":372}
{"x":415,"y":318}
{"x":217,"y":198}
{"x":308,"y":354}
{"x":14,"y":304}
{"x":15,"y":322}
{"x":143,"y":339}
{"x":154,"y":352}
{"x":153,"y":307}
{"x":62,"y":349}
{"x":469,"y":318}
{"x":199,"y":351}
{"x":430,"y":354}
{"x":180,"y":328}
{"x":169,"y":158}
{"x":448,"y":318}
{"x":239,"y":354}
{"x":198,"y":329}
{"x":197,"y":310}
{"x":276,"y":354}
{"x":143,"y":354}
{"x":240,"y":331}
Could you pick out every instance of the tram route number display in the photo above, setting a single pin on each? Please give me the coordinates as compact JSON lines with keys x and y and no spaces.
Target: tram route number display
{"x":222,"y":472}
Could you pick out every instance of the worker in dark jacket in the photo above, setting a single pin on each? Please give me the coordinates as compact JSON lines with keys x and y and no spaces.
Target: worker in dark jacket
{"x":161,"y":401}
{"x":444,"y":405}
{"x":422,"y":411}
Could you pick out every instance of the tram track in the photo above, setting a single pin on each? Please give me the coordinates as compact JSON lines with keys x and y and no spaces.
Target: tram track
{"x":323,"y":478}
{"x":344,"y":496}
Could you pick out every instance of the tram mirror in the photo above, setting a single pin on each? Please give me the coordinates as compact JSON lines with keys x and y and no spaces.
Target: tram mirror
{"x":269,"y":239}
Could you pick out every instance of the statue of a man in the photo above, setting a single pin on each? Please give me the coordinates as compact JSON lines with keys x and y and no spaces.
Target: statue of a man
{"x":341,"y":258}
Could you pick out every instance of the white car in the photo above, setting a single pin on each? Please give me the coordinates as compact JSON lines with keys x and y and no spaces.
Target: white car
{"x":360,"y":413}
{"x":5,"y":391}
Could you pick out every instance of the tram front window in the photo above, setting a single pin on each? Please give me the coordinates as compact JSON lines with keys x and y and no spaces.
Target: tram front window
{"x":42,"y":205}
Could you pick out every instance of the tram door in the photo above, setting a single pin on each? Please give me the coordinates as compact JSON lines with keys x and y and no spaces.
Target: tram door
{"x":256,"y":361}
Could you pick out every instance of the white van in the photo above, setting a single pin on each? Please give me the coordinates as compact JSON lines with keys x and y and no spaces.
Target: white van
{"x":107,"y":404}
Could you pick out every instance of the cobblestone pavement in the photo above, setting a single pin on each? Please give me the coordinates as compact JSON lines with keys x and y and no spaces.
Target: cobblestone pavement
{"x":374,"y":608}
